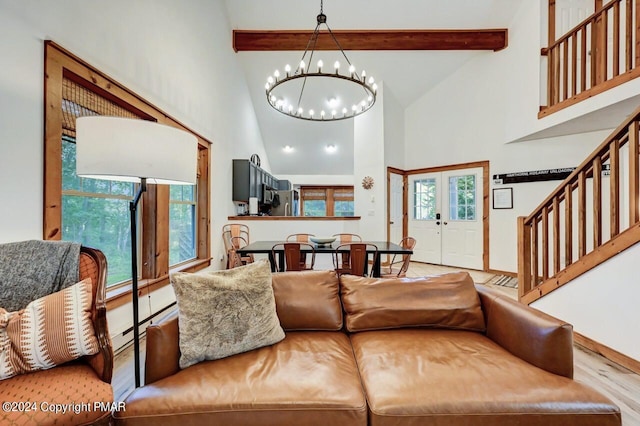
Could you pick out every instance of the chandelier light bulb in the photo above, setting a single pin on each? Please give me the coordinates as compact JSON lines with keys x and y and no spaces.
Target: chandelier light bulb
{"x":374,"y":87}
{"x":270,"y":80}
{"x":364,"y":75}
{"x":320,"y":64}
{"x":333,"y":113}
{"x":311,"y":112}
{"x":287,"y":69}
{"x":371,"y":80}
{"x":300,"y":110}
{"x":302,"y":65}
{"x":352,"y":70}
{"x":276,"y":74}
{"x":290,"y":109}
{"x":370,"y":98}
{"x":267,"y":85}
{"x":354,"y":108}
{"x":344,"y":110}
{"x":322,"y":114}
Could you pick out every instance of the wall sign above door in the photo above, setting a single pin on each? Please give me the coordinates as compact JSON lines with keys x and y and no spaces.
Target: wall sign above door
{"x":533,"y":176}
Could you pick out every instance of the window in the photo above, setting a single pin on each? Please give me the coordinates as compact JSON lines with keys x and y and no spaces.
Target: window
{"x":425,"y":202}
{"x":182,"y":223}
{"x":173,"y":224}
{"x":327,"y":201}
{"x":96,"y":213}
{"x":462,"y":197}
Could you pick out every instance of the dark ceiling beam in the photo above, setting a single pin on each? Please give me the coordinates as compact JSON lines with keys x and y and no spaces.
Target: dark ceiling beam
{"x":491,"y":39}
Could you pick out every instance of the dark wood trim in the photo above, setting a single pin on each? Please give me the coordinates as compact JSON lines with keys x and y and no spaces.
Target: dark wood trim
{"x":610,"y":354}
{"x":284,"y":40}
{"x":294,"y":218}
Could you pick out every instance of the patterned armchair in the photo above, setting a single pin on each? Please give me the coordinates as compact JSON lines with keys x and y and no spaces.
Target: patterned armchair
{"x":77,"y":392}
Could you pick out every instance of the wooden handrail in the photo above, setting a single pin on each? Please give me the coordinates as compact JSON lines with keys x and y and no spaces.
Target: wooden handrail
{"x":554,"y":238}
{"x":594,"y":56}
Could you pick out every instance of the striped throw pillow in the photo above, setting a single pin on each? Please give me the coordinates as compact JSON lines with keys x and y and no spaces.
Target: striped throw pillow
{"x":49,"y":331}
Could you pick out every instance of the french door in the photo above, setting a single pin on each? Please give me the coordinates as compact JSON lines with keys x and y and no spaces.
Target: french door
{"x":445,"y":216}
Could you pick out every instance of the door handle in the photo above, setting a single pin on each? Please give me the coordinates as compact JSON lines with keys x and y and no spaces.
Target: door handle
{"x":445,"y":223}
{"x":391,"y":223}
{"x":438,"y":223}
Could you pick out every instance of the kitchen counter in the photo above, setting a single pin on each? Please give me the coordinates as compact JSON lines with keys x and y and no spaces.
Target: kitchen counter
{"x":294,"y":218}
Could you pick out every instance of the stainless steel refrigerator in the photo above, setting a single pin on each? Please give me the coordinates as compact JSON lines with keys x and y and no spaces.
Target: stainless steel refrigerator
{"x":287,"y":204}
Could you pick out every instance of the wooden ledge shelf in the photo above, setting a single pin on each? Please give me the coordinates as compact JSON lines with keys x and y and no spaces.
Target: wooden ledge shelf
{"x":295,"y":218}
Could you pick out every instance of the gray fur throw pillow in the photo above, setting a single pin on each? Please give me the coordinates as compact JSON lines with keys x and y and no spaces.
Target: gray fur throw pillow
{"x":223,"y":313}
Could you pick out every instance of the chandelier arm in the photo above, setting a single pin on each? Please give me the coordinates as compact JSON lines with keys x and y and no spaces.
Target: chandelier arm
{"x":314,"y":37}
{"x":342,"y":51}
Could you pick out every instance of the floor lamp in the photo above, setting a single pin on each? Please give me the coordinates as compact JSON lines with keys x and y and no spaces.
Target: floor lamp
{"x":130,"y":150}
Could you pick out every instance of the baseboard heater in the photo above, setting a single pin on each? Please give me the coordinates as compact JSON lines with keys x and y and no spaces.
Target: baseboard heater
{"x":124,"y":339}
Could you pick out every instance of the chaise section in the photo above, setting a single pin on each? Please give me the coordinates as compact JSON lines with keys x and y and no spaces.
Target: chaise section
{"x":309,"y":378}
{"x":447,"y":377}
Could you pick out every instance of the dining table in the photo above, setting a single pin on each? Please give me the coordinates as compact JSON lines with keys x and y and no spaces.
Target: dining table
{"x":265,"y":247}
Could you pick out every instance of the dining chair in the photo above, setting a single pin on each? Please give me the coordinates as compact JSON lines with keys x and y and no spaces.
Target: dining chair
{"x":357,"y":263}
{"x":301,"y":238}
{"x":387,"y":269}
{"x":235,"y":236}
{"x":294,"y":258}
{"x":347,"y":238}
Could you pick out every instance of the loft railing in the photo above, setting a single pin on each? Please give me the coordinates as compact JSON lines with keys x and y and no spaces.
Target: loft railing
{"x":596,"y":55}
{"x":593,"y":215}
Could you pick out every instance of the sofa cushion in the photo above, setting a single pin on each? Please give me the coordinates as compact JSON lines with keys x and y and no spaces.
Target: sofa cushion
{"x":226,"y":312}
{"x":308,"y":300}
{"x":49,"y":331}
{"x":443,"y":301}
{"x":447,"y":377}
{"x":309,"y":378}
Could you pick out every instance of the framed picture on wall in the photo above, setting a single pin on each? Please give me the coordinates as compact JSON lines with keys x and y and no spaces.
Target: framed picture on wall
{"x":503,"y":198}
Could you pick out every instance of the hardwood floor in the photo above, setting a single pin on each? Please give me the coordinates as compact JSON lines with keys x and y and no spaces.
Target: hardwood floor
{"x":619,"y":384}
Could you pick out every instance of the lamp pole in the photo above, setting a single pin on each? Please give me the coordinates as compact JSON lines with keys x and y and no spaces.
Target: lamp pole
{"x":133,"y":209}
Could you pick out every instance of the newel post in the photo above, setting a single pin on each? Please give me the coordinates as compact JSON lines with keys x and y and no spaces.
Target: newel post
{"x":524,"y":257}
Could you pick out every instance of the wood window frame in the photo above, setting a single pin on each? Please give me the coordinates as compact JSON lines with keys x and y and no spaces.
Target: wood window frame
{"x":329,"y":192}
{"x":154,"y":253}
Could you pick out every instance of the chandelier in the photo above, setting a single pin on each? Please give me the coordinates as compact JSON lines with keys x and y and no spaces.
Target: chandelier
{"x":316,"y":94}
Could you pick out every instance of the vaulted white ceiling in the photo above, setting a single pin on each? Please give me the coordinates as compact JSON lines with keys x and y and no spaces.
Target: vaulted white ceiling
{"x":407,"y":75}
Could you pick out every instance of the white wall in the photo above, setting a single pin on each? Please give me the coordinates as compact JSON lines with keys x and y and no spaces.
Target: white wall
{"x":177,"y":55}
{"x":368,"y":145}
{"x":394,"y":150}
{"x":602,"y":304}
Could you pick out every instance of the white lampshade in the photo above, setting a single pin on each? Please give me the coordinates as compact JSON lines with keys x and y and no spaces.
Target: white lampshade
{"x":124,"y":149}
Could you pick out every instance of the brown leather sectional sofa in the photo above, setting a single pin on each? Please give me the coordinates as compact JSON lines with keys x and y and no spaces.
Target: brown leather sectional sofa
{"x":516,"y":371}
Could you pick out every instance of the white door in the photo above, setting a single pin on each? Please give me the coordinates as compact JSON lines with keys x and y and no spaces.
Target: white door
{"x":396,"y":187}
{"x":446,"y":217}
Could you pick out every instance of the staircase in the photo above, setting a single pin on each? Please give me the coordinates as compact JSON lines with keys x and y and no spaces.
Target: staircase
{"x":593,"y":215}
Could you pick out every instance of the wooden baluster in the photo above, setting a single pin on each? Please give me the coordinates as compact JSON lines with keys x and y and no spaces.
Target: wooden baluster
{"x":616,"y":39}
{"x":601,"y":48}
{"x":597,"y":202}
{"x":574,"y":63}
{"x":583,"y":56}
{"x":637,"y":28}
{"x":593,"y":55}
{"x":634,"y":209}
{"x":568,"y":225}
{"x":614,"y":187}
{"x":565,"y":69}
{"x":534,"y":252}
{"x":524,"y":257}
{"x":545,"y":243}
{"x":556,"y":235}
{"x":628,"y":43}
{"x":582,"y":214}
